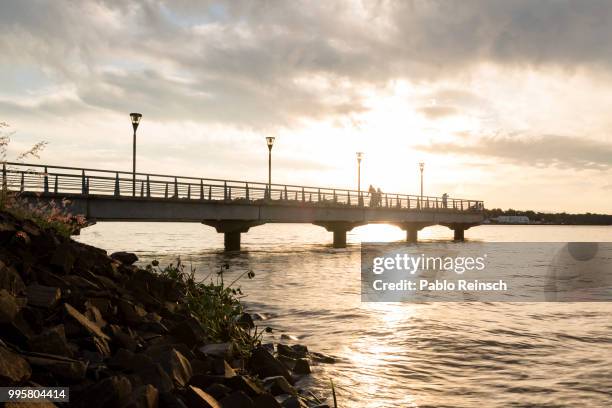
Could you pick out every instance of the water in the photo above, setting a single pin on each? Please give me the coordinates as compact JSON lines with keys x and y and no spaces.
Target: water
{"x":401,"y":354}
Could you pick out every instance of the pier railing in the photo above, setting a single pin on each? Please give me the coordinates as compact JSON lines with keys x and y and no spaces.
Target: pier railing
{"x":61,"y":180}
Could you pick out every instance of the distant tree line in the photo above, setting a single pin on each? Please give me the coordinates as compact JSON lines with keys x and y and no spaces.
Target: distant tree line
{"x":555,"y":218}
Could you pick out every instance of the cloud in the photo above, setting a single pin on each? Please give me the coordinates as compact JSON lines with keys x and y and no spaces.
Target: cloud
{"x":438,"y":112}
{"x":253,"y":63}
{"x":543,"y":151}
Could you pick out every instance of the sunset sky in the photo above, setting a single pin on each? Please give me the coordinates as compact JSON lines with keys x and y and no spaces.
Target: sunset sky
{"x":505,"y":101}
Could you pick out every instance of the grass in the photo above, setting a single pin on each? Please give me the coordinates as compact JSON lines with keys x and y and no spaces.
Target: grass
{"x":215,"y":304}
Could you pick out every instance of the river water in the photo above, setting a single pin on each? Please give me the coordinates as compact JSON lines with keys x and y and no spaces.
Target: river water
{"x":401,"y":354}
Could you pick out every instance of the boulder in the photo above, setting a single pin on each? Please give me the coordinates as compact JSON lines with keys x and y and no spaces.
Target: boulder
{"x":302,"y":366}
{"x":62,"y":367}
{"x":265,"y":365}
{"x":245,"y":384}
{"x":169,"y":400}
{"x":294,"y":402}
{"x":145,"y":396}
{"x":189,"y":331}
{"x":126,"y":258}
{"x":220,"y":350}
{"x":52,"y":341}
{"x":278,"y":385}
{"x":9,"y":307}
{"x":176,"y":366}
{"x":196,"y":398}
{"x":237,"y":399}
{"x":14,"y":369}
{"x":26,"y":404}
{"x":113,"y":391}
{"x":218,"y":391}
{"x":83,"y":322}
{"x":266,"y":401}
{"x":122,"y":338}
{"x":43,"y":296}
{"x":63,"y":258}
{"x":10,"y":280}
{"x":132,"y":314}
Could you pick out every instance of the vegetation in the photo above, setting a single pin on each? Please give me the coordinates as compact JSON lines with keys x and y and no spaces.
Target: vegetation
{"x":45,"y":215}
{"x":216,"y":305}
{"x":555,"y":218}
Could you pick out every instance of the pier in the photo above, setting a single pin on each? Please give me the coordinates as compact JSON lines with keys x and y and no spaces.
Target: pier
{"x":231,"y":207}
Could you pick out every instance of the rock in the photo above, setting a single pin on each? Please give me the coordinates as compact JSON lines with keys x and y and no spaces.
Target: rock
{"x":113,"y":391}
{"x":201,"y":366}
{"x":278,"y":385}
{"x":218,"y":391}
{"x":237,"y":399}
{"x":94,"y":314}
{"x":244,"y":383}
{"x":43,"y":296}
{"x":155,"y":375}
{"x":220,"y":350}
{"x":245,"y":320}
{"x":105,"y":306}
{"x":10,"y":280}
{"x":133,"y":314}
{"x":26,"y":404}
{"x":62,"y":367}
{"x":296,"y":351}
{"x":126,"y":258}
{"x":169,"y":400}
{"x":14,"y":369}
{"x":177,"y":367}
{"x":9,"y":307}
{"x":145,"y":396}
{"x":121,"y":338}
{"x":155,"y":351}
{"x":18,"y":331}
{"x":52,"y":341}
{"x":83,"y":322}
{"x":63,"y":257}
{"x":266,"y":401}
{"x":322,"y":358}
{"x":294,"y":402}
{"x":265,"y":365}
{"x":302,"y":366}
{"x":196,"y":398}
{"x":189,"y":331}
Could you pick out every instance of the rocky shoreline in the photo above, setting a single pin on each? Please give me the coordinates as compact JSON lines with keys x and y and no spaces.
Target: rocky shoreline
{"x":121,"y":336}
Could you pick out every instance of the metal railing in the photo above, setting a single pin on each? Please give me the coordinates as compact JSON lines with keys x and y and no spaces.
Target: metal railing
{"x":46,"y":179}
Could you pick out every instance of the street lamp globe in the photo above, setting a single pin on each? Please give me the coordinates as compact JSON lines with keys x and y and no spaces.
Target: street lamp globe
{"x":270,"y":141}
{"x":135,"y":119}
{"x":359,"y":156}
{"x":421,"y":166}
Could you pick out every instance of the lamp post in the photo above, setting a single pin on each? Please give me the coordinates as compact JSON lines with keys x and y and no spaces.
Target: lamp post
{"x":135,"y":122}
{"x":270,"y":142}
{"x":359,"y":157}
{"x":421,"y":167}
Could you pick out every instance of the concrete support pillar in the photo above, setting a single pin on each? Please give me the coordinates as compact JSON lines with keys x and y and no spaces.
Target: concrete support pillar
{"x":339,"y":229}
{"x":412,"y":230}
{"x":412,"y":235}
{"x":339,"y":238}
{"x":231,"y":241}
{"x":459,"y":234}
{"x":231,"y":230}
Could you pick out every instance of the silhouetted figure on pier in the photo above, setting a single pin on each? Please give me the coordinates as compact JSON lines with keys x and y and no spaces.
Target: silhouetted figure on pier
{"x":372,"y":192}
{"x":445,"y":200}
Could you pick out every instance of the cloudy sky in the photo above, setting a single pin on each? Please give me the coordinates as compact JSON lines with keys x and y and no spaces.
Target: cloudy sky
{"x":505,"y":101}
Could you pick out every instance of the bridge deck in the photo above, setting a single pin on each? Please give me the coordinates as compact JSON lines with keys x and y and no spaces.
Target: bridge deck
{"x":231,"y":206}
